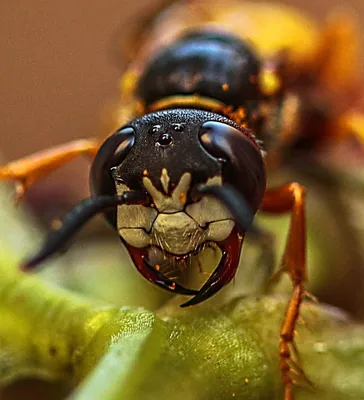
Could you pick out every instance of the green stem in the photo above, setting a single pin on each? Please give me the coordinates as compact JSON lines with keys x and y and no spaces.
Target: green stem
{"x":205,"y":352}
{"x":43,"y":329}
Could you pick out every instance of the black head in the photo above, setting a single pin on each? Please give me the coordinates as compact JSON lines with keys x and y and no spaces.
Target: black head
{"x":170,"y":182}
{"x":180,"y":159}
{"x":198,"y":142}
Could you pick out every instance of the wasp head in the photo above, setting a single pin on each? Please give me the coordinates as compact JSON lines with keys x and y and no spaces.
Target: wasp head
{"x":199,"y":170}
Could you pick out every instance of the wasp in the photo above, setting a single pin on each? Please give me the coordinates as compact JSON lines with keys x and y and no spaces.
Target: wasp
{"x":217,"y":96}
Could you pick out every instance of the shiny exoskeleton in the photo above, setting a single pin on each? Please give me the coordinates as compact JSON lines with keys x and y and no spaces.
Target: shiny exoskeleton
{"x":185,"y":167}
{"x":200,"y":175}
{"x":173,"y":156}
{"x":214,"y":65}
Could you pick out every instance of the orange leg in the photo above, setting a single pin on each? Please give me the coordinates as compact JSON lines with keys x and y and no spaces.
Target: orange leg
{"x":290,"y":197}
{"x":29,"y":169}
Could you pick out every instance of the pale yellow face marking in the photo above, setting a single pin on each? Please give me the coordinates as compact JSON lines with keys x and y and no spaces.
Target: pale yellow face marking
{"x":208,"y":209}
{"x":220,"y":230}
{"x":165,"y":180}
{"x":165,"y":203}
{"x":167,"y":225}
{"x":134,"y":216}
{"x":177,"y":233}
{"x":135,"y":237}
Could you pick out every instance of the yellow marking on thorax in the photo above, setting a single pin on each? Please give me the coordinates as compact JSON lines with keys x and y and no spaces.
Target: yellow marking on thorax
{"x":238,"y":115}
{"x":184,"y":101}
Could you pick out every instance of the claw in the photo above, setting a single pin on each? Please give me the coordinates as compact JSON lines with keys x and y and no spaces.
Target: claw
{"x":213,"y":284}
{"x":224,"y":272}
{"x":296,"y":370}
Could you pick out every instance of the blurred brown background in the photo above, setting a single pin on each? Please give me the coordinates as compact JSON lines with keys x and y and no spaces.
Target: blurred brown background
{"x":59,"y":68}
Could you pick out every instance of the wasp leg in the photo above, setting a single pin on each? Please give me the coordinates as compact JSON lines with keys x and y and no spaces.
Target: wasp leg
{"x":75,"y":220}
{"x":290,"y":197}
{"x":29,"y":169}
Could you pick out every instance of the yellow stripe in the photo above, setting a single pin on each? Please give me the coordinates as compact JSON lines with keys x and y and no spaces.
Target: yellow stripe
{"x":238,"y":115}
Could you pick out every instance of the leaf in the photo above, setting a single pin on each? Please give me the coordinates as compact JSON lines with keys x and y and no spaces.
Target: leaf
{"x":206,"y":352}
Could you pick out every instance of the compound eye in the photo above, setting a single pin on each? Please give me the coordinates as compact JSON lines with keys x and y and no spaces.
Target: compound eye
{"x":120,"y":145}
{"x":243,"y":165}
{"x":164,"y":140}
{"x":111,"y":154}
